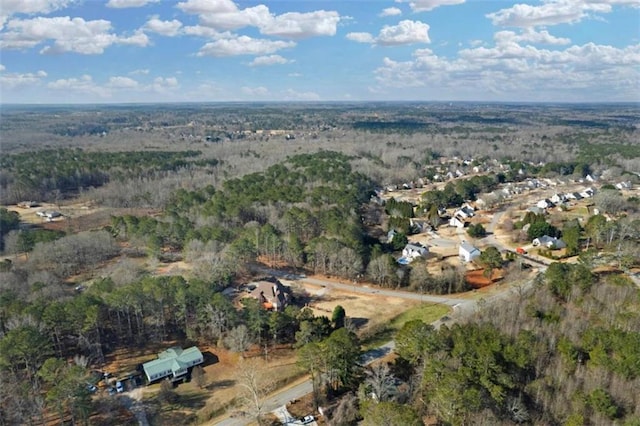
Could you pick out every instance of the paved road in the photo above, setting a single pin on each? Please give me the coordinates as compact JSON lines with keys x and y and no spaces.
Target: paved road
{"x":272,"y":403}
{"x":461,"y":308}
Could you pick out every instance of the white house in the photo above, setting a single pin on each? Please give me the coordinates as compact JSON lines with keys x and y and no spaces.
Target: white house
{"x":623,"y":185}
{"x":414,"y":250}
{"x":548,"y":242}
{"x":545,"y":204}
{"x":467,"y":252}
{"x":558,"y":198}
{"x":465,"y":212}
{"x":587,"y":193}
{"x":457,"y":222}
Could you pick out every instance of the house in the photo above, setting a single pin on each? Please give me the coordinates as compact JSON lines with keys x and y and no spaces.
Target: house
{"x":548,"y":242}
{"x":174,"y":363}
{"x":623,"y":185}
{"x":558,"y":198}
{"x":587,"y":193}
{"x":573,"y":196}
{"x":467,"y":252}
{"x":413,"y":251}
{"x":545,"y":204}
{"x":420,"y":225}
{"x":457,"y":222}
{"x":465,"y":212}
{"x":271,"y":293}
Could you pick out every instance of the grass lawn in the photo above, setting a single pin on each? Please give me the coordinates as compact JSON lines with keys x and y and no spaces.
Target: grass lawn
{"x":427,"y":312}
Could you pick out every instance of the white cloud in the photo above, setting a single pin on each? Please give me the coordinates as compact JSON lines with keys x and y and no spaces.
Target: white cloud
{"x":294,"y":74}
{"x":269,"y":60}
{"x":165,"y":28}
{"x":255,"y":91}
{"x":510,"y":71}
{"x":529,"y":35}
{"x":205,"y":32}
{"x":406,"y":32}
{"x":68,"y":35}
{"x":116,"y":88}
{"x":164,"y":84}
{"x":390,"y":11}
{"x":252,"y":16}
{"x":427,"y":5}
{"x":553,"y":12}
{"x":139,"y":71}
{"x":119,"y":82}
{"x":300,"y":25}
{"x":9,"y":8}
{"x":10,"y":81}
{"x":122,"y":4}
{"x":224,"y":15}
{"x":139,"y":38}
{"x":83,"y":85}
{"x":361,"y":37}
{"x":293,"y":95}
{"x":207,"y":6}
{"x":243,"y":45}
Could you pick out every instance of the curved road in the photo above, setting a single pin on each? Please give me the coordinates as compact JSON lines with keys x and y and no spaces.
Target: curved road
{"x":461,"y":308}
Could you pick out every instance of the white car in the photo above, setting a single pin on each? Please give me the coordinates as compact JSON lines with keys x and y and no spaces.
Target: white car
{"x":119,"y":386}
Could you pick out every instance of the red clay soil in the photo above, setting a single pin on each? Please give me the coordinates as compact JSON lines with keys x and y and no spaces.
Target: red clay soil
{"x":477,"y":279}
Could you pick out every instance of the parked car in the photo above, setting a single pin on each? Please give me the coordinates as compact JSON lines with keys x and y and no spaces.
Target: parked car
{"x":307,"y":419}
{"x":119,"y":386}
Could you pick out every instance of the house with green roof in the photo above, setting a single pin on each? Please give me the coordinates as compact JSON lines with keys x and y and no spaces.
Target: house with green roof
{"x":173,"y":363}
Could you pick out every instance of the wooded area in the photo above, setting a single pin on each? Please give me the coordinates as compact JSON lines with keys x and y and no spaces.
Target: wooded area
{"x":230,"y":196}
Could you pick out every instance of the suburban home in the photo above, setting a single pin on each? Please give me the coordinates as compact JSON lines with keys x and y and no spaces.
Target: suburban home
{"x":573,"y":196}
{"x":549,"y":242}
{"x":414,"y":250}
{"x":271,"y":293}
{"x":558,"y":198}
{"x":468,"y":252}
{"x":623,"y":185}
{"x":174,"y":363}
{"x":465,"y":212}
{"x":587,"y":193}
{"x":457,"y":222}
{"x":545,"y":204}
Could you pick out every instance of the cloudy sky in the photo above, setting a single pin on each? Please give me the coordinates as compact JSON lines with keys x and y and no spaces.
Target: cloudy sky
{"x":98,"y":51}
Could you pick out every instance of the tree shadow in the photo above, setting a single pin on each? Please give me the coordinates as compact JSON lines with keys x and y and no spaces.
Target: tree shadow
{"x":359,"y":322}
{"x":209,"y":358}
{"x":220,"y":384}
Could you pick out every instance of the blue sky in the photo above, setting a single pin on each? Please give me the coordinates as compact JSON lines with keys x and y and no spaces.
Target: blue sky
{"x":114,"y":51}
